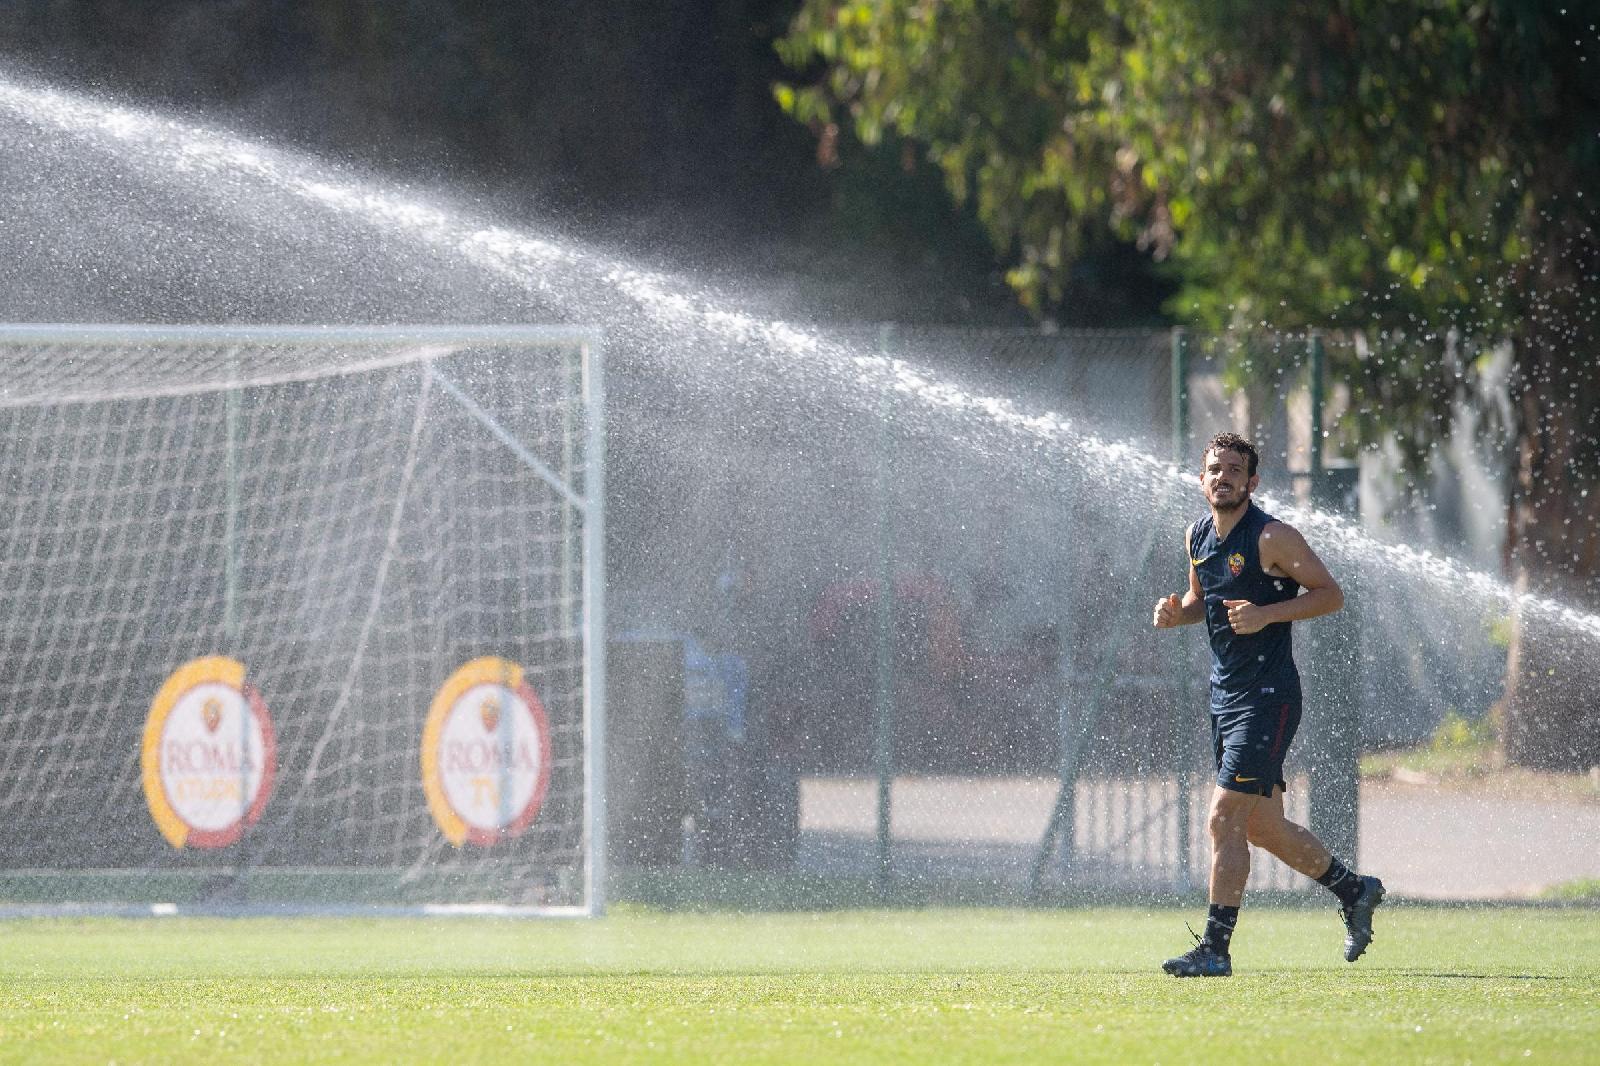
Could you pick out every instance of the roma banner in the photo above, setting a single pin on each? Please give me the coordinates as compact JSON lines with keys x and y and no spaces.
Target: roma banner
{"x":209,"y":754}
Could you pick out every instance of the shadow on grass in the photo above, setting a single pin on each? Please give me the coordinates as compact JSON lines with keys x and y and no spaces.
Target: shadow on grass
{"x":1447,"y":975}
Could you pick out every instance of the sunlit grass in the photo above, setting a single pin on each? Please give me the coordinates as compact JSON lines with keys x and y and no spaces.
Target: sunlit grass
{"x":1458,"y":747}
{"x":1581,"y":890}
{"x":860,"y":986}
{"x":1462,"y":752}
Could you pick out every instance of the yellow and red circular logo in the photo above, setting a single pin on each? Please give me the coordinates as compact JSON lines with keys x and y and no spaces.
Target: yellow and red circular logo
{"x":485,"y":753}
{"x":209,"y":754}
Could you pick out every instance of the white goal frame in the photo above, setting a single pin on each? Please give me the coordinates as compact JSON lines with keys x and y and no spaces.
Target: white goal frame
{"x":372,"y":348}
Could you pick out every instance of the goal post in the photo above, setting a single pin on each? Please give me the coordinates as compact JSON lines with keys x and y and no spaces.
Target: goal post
{"x":302,"y":618}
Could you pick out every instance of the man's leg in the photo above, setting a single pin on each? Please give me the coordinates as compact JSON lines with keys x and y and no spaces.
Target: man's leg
{"x":1301,"y":851}
{"x":1230,"y":869}
{"x":1295,"y":845}
{"x":1230,"y":863}
{"x":1231,"y":815}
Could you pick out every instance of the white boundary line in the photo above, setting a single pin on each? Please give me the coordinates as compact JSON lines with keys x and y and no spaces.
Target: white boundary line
{"x":15,"y":911}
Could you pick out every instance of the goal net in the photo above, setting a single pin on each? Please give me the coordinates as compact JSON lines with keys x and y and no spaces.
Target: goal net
{"x":301,"y":618}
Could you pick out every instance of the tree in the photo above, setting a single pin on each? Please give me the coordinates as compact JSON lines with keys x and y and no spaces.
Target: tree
{"x":1423,"y":171}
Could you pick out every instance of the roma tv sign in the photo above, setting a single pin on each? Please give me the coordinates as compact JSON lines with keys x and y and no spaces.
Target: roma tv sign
{"x":485,"y":753}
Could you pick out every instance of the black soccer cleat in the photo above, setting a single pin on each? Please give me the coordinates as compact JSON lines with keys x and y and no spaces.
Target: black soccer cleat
{"x":1200,"y":961}
{"x":1358,"y":918}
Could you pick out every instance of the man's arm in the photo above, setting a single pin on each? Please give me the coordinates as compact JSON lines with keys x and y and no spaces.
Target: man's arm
{"x":1173,"y":611}
{"x":1285,"y":553}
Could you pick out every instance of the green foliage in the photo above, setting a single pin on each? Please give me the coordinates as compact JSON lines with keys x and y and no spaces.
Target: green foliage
{"x":1456,"y":733}
{"x":984,"y":88}
{"x":1460,"y":748}
{"x":1582,"y":890}
{"x":1402,"y":170}
{"x":1500,"y":630}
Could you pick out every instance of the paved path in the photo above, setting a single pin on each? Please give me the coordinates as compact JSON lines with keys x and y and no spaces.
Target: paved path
{"x":1426,"y":842}
{"x":1441,"y":843}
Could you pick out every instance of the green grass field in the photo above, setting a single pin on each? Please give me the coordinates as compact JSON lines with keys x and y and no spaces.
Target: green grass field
{"x":1439,"y":985}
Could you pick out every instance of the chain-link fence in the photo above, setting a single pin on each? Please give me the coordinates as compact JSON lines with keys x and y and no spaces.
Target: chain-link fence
{"x":1004,"y":720}
{"x":906,"y":610}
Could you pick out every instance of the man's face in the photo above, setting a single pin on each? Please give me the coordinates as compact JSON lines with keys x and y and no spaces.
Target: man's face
{"x":1226,"y":480}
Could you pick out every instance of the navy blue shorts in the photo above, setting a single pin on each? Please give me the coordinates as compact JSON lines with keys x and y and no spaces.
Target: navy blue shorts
{"x":1250,"y":743}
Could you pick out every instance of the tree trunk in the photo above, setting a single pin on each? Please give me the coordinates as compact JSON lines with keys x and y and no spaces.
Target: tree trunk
{"x":1549,"y":717}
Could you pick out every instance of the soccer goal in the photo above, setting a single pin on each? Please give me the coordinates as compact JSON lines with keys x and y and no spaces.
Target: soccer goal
{"x":301,"y":619}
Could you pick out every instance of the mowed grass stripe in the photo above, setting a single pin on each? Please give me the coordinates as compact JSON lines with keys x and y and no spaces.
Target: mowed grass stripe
{"x":1442,"y":985}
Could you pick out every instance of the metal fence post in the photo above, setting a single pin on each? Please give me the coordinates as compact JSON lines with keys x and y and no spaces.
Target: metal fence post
{"x":1335,"y":771}
{"x":1182,"y":687}
{"x":1318,"y":401}
{"x":883,"y":688}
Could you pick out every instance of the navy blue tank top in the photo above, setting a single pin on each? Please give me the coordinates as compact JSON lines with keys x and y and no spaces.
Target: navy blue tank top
{"x":1251,"y":669}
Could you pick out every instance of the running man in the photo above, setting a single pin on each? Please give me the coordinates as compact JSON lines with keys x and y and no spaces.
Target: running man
{"x":1246,"y":574}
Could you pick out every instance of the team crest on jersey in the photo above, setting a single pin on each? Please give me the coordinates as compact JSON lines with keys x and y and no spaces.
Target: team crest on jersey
{"x":1236,"y":563}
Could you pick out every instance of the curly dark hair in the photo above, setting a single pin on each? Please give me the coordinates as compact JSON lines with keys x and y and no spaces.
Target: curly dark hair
{"x":1232,"y":442}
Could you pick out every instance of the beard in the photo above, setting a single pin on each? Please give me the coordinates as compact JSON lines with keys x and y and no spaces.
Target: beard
{"x":1229,"y":506}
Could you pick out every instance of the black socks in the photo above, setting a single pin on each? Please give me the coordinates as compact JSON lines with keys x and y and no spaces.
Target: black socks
{"x":1341,"y":881}
{"x":1220,"y":921}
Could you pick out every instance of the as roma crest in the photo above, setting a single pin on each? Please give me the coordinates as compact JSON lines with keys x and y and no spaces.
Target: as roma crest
{"x":485,"y":754}
{"x":1236,"y":563}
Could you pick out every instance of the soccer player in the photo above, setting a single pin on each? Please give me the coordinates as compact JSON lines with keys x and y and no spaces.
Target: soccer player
{"x":1247,"y":571}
